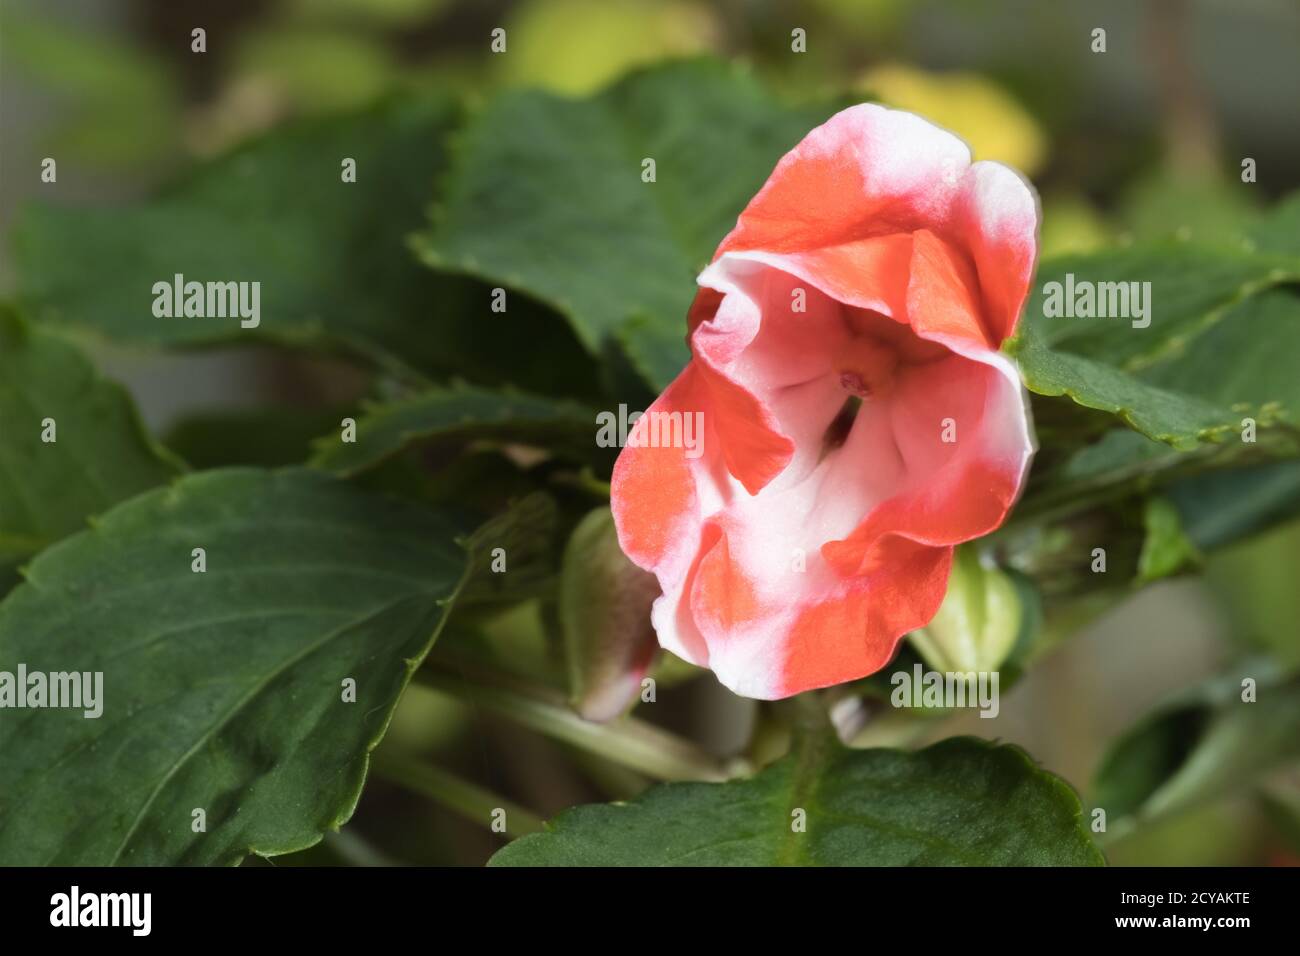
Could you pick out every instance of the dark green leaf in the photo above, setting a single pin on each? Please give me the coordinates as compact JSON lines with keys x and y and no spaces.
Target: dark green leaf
{"x":1149,"y":376}
{"x":1245,"y":364}
{"x":269,"y":436}
{"x":101,"y":453}
{"x":961,"y":801}
{"x":1221,"y":507}
{"x":1247,"y":360}
{"x":546,"y":195}
{"x":514,"y":553}
{"x":1200,"y":745}
{"x":222,"y":690}
{"x":458,"y":415}
{"x":331,"y":256}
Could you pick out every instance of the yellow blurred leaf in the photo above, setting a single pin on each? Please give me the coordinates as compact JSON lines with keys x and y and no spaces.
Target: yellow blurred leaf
{"x":576,"y":46}
{"x":972,"y":106}
{"x":1071,"y":224}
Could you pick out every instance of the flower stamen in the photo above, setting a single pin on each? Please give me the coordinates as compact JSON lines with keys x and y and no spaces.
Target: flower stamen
{"x":854,"y":384}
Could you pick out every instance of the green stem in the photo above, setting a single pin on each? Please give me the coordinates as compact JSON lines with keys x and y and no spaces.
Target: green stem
{"x":812,"y":744}
{"x":809,"y":719}
{"x":629,"y":742}
{"x":585,"y":481}
{"x":471,"y":801}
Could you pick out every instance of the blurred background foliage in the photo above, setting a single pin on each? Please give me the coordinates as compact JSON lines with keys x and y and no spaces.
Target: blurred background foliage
{"x":1141,"y":141}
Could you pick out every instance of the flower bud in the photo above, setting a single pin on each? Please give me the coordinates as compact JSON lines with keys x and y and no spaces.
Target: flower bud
{"x":605,"y":617}
{"x":978,"y":622}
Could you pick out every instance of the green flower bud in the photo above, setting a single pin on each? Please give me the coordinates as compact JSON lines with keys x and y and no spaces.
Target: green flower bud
{"x":605,"y":617}
{"x":978,"y":622}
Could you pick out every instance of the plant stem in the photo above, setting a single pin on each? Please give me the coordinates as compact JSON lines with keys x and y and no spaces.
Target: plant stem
{"x":585,"y":481}
{"x":808,"y":716}
{"x":471,"y":801}
{"x":629,"y":742}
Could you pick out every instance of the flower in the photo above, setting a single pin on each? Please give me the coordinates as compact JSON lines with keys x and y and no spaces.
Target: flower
{"x":859,"y":420}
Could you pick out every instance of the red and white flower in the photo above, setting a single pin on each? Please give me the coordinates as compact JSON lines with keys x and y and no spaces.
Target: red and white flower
{"x":859,"y":419}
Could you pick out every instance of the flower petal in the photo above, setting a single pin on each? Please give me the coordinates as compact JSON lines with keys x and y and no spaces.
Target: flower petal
{"x":753,"y":446}
{"x":867,"y":171}
{"x":768,"y":368}
{"x":773,"y":630}
{"x":653,"y":489}
{"x":856,"y":631}
{"x":997,"y":216}
{"x":952,"y":491}
{"x":941,"y":305}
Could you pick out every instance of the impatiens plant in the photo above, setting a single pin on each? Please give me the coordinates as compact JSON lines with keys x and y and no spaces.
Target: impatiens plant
{"x":893,"y":460}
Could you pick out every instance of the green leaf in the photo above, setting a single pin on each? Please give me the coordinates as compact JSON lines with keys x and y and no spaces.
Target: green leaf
{"x":582,"y":231}
{"x":1244,"y":363}
{"x":1166,"y":549}
{"x":268,"y":436}
{"x":960,"y":802}
{"x":222,"y":690}
{"x":1146,"y":376}
{"x":1281,"y":807}
{"x":514,"y":553}
{"x":331,"y":256}
{"x":1200,"y":745}
{"x":457,"y":415}
{"x":1280,"y":231}
{"x":1160,"y":206}
{"x":1246,"y":360}
{"x":1222,"y":347}
{"x":1222,"y":507}
{"x":1191,"y":285}
{"x":101,"y":453}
